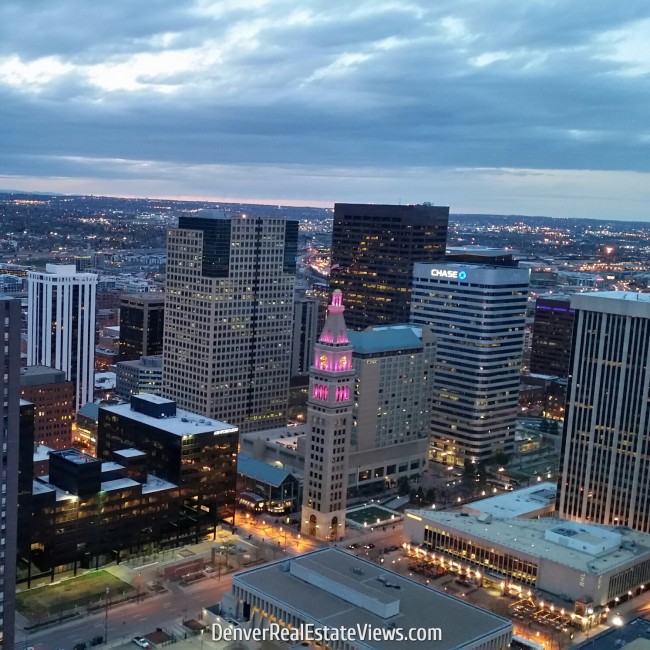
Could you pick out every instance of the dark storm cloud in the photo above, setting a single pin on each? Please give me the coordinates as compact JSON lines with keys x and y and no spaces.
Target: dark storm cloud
{"x":323,"y":85}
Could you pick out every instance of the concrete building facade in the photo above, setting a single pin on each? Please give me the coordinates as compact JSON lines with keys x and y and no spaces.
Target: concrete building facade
{"x":329,"y":422}
{"x":605,"y":467}
{"x":576,"y":562}
{"x":228,"y":317}
{"x":141,"y":376}
{"x":61,"y":325}
{"x":478,"y":314}
{"x":394,"y":367}
{"x":334,"y":589}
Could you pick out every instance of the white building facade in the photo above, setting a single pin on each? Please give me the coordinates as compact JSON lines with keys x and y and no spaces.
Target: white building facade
{"x":61,"y":325}
{"x":478,"y":314}
{"x":605,"y":476}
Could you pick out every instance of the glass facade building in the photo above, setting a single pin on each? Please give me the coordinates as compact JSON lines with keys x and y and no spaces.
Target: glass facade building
{"x":374,"y":248}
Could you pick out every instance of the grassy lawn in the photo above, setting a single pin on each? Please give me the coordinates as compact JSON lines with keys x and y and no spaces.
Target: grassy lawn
{"x":50,"y":600}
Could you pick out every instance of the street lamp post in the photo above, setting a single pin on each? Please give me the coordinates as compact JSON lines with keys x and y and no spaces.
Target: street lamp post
{"x":202,"y":631}
{"x":106,"y":617}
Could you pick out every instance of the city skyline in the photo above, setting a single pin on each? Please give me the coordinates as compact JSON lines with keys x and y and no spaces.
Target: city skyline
{"x":267,"y":102}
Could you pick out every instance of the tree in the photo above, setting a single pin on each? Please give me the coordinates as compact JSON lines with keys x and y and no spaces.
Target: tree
{"x":430,"y":496}
{"x":403,"y":487}
{"x":469,"y":473}
{"x":501,"y":458}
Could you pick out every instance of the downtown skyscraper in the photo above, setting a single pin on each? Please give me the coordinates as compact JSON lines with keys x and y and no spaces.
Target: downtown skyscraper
{"x":9,"y":466}
{"x":374,"y":248}
{"x":478,"y":314}
{"x":605,"y":468}
{"x":228,"y":317}
{"x":61,"y":325}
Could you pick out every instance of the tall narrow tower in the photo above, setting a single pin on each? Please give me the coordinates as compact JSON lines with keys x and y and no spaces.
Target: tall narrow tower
{"x":61,"y":325}
{"x":329,"y":409}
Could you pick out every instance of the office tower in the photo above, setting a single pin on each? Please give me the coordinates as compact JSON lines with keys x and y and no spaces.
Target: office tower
{"x":53,"y":398}
{"x":61,"y":325}
{"x":197,"y":454}
{"x":141,"y":325}
{"x":141,"y":376}
{"x":9,"y":466}
{"x":478,"y":313}
{"x":373,"y":251}
{"x":605,"y":468}
{"x":329,"y":421}
{"x":394,"y":367}
{"x":228,"y":317}
{"x":305,"y":332}
{"x":552,"y":332}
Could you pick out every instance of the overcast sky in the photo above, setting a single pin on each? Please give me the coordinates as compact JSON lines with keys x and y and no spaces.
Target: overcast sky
{"x":493,"y":106}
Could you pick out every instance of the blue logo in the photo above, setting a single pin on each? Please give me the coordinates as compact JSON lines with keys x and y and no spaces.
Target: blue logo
{"x":462,"y":275}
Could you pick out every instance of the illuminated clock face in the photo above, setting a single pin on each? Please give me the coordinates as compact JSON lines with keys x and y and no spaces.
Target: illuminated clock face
{"x":323,"y":361}
{"x":343,"y":362}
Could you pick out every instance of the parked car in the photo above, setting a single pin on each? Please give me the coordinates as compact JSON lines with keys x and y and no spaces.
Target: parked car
{"x":141,"y":642}
{"x":353,"y":546}
{"x":97,"y":640}
{"x":369,"y":545}
{"x":80,"y":646}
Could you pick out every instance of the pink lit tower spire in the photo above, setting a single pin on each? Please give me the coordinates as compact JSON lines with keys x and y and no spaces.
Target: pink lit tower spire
{"x":329,"y":419}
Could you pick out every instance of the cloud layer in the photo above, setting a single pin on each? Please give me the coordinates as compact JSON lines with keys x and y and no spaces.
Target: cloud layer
{"x":534,"y":107}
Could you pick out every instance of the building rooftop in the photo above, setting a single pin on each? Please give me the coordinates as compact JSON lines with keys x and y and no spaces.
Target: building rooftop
{"x":518,"y":503}
{"x":110,"y":466}
{"x":36,"y":375}
{"x":75,"y":456}
{"x":90,"y":410}
{"x":129,"y":453}
{"x":585,"y":547}
{"x":183,"y":423}
{"x":386,"y":339}
{"x":336,"y":589}
{"x":261,"y":471}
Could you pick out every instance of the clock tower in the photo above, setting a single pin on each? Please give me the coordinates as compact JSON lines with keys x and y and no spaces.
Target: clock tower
{"x":329,"y":419}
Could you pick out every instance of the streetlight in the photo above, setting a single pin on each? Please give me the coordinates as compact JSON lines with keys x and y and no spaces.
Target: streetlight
{"x":106,"y":618}
{"x":202,"y":631}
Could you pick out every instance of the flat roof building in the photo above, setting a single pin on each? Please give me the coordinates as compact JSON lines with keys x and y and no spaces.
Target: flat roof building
{"x":332,"y":588}
{"x":196,"y":453}
{"x":54,"y":398}
{"x":531,"y":502}
{"x":573,"y":561}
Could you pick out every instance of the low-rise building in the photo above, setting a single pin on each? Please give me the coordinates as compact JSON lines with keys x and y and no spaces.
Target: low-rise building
{"x":141,"y":376}
{"x":334,"y":589}
{"x":87,"y":512}
{"x":527,"y":503}
{"x":280,"y":489}
{"x":573,"y":561}
{"x":194,"y":452}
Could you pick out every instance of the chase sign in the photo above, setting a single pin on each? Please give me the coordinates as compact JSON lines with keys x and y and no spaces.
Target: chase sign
{"x":449,"y":273}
